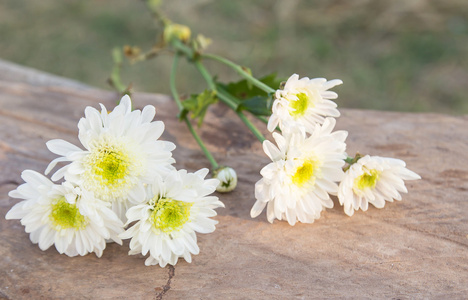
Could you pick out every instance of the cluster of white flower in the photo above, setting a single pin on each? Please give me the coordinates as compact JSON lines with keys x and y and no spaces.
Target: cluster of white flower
{"x":123,"y":185}
{"x":309,"y":159}
{"x":124,"y":175}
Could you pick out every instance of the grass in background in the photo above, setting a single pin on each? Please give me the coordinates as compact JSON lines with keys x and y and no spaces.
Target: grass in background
{"x":392,"y":55}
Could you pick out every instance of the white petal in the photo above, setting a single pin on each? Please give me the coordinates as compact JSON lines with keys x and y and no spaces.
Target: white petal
{"x":271,"y":151}
{"x":148,"y":113}
{"x":257,"y":209}
{"x":53,"y":163}
{"x":35,"y":179}
{"x":61,"y":147}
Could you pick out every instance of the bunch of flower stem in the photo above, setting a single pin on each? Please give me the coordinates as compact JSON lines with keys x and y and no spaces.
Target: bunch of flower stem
{"x":228,"y":99}
{"x":180,"y":46}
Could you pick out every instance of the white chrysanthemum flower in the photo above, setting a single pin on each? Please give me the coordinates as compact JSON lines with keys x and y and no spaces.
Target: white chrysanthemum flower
{"x":63,"y":215}
{"x":176,"y":207}
{"x":304,"y":171}
{"x":373,"y":179}
{"x":122,"y":153}
{"x":303,"y":102}
{"x":228,"y":179}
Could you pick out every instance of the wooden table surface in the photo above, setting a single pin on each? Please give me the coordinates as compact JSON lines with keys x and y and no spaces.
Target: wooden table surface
{"x":417,"y":248}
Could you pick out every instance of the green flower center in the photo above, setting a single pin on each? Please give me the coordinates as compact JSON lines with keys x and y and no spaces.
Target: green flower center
{"x":110,"y":165}
{"x":300,"y":105}
{"x":303,"y":173}
{"x":367,"y":180}
{"x":170,"y":215}
{"x":65,"y":215}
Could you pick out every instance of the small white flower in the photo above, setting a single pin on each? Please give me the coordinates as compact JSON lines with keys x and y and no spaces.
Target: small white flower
{"x":373,"y":179}
{"x":63,"y":215}
{"x":176,"y":207}
{"x":304,"y":102}
{"x":227,"y":177}
{"x":304,"y":171}
{"x":122,"y":153}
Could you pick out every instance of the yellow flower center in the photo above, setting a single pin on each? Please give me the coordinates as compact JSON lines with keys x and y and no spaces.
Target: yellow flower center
{"x":300,"y":105}
{"x":367,"y":180}
{"x":170,"y":215}
{"x":304,"y":173}
{"x":65,"y":215}
{"x":110,"y":165}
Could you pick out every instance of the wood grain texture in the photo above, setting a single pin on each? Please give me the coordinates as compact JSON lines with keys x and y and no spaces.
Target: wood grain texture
{"x":417,"y":248}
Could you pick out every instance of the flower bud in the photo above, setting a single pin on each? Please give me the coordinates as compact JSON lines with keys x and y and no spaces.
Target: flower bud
{"x":227,"y":177}
{"x":176,"y":31}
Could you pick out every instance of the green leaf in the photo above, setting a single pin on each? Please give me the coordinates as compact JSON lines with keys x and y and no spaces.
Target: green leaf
{"x":259,"y":106}
{"x":198,"y":104}
{"x":182,"y":114}
{"x":244,"y":90}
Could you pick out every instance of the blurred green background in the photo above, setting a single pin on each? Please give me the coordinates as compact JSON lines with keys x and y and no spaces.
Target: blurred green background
{"x":403,"y":55}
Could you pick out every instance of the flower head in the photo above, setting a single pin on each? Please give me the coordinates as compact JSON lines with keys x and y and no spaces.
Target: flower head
{"x":63,"y":215}
{"x":176,"y":206}
{"x":228,"y":179}
{"x":122,"y":153}
{"x":297,"y":183}
{"x":373,"y":179}
{"x":304,"y":102}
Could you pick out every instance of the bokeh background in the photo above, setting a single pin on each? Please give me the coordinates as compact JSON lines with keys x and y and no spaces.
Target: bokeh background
{"x":402,"y":55}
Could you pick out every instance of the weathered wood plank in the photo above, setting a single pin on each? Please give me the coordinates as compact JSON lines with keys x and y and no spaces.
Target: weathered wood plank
{"x":416,"y":248}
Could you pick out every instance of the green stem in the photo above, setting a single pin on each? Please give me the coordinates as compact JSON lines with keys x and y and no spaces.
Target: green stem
{"x":235,"y":100}
{"x":206,"y":75}
{"x":242,"y":72}
{"x":187,"y":51}
{"x":223,"y":96}
{"x":207,"y":153}
{"x":191,"y":55}
{"x":251,"y":126}
{"x":176,"y":97}
{"x":114,"y":79}
{"x":172,"y":84}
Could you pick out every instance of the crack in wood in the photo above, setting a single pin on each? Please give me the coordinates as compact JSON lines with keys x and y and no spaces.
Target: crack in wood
{"x":167,"y":286}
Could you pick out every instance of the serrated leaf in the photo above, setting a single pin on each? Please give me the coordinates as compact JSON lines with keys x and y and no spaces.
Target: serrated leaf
{"x":190,"y":104}
{"x":198,"y":104}
{"x":243,"y":90}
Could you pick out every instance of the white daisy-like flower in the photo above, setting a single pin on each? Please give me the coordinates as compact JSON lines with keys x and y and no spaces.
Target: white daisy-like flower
{"x":176,"y":207}
{"x":304,"y":102}
{"x":122,"y":153}
{"x":227,"y":177}
{"x":303,"y":172}
{"x":373,"y":179}
{"x":64,"y":215}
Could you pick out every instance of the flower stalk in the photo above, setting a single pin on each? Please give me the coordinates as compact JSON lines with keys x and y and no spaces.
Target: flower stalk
{"x":242,"y":71}
{"x":222,"y":95}
{"x":114,"y":79}
{"x":176,"y":97}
